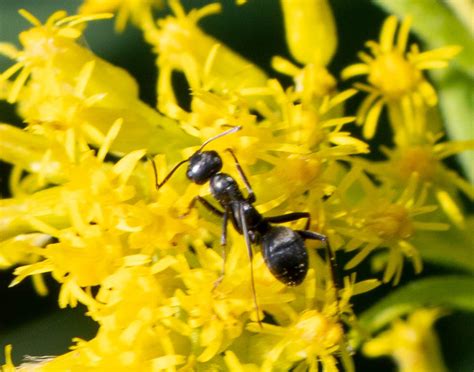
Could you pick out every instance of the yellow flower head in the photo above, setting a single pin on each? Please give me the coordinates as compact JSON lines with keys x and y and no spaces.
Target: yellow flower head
{"x":395,"y":76}
{"x":386,"y":218}
{"x":62,"y":85}
{"x":182,"y":46}
{"x":312,"y":338}
{"x":95,"y":211}
{"x":43,"y":44}
{"x":311,"y":82}
{"x":411,"y":342}
{"x":425,"y":159}
{"x":165,"y":294}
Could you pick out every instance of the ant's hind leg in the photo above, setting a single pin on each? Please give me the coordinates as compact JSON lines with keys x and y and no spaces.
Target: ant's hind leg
{"x":305,"y":234}
{"x":245,"y":232}
{"x":289,"y":217}
{"x":251,"y":198}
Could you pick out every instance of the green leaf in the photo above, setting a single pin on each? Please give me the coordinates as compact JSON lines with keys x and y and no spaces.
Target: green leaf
{"x":449,"y":292}
{"x":456,"y":98}
{"x":453,"y":248}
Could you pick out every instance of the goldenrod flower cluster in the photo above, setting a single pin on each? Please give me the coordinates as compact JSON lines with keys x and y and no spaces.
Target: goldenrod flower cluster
{"x":84,"y":208}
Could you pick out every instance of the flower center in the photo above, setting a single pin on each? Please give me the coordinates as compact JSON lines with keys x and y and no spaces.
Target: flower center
{"x":391,"y":222}
{"x":394,"y":75}
{"x":313,"y":327}
{"x":416,"y":159}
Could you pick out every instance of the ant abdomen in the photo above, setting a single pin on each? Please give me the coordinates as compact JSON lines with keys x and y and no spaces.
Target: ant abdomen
{"x":285,"y":255}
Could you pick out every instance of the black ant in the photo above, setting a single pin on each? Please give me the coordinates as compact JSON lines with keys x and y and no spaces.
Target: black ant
{"x":283,"y":249}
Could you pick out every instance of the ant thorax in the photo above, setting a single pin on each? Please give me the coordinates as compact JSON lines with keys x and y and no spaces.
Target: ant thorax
{"x":225,"y":189}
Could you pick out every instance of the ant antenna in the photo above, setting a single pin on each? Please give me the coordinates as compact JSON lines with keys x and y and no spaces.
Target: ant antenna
{"x":168,"y":176}
{"x":229,"y":131}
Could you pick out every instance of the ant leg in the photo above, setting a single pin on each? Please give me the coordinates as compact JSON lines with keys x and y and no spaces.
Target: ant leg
{"x":168,"y":176}
{"x":305,"y":234}
{"x":291,"y":217}
{"x":205,"y":204}
{"x":251,"y":198}
{"x":245,"y":231}
{"x":225,"y":220}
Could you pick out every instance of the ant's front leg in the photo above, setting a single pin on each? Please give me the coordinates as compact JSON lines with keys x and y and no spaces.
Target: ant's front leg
{"x":205,"y":204}
{"x":251,"y":198}
{"x":225,"y":220}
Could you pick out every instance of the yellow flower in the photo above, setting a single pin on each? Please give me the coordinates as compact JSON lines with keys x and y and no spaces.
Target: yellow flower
{"x":45,"y":158}
{"x":182,"y":46}
{"x":220,"y":311}
{"x":395,"y":77}
{"x":61,"y":85}
{"x":296,"y":144}
{"x":385,"y":218}
{"x":312,"y":81}
{"x":134,"y":314}
{"x":41,"y":43}
{"x":412,"y":343}
{"x":18,"y":250}
{"x":150,"y":272}
{"x":140,"y":12}
{"x":91,"y":209}
{"x":310,"y":339}
{"x":425,"y":159}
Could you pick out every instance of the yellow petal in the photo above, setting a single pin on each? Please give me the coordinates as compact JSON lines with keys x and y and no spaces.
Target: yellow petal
{"x":450,"y":207}
{"x":370,"y":124}
{"x":388,"y":33}
{"x":403,"y":34}
{"x":354,"y":70}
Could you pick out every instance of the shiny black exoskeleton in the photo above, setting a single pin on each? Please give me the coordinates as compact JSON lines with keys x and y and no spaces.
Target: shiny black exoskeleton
{"x":283,"y":249}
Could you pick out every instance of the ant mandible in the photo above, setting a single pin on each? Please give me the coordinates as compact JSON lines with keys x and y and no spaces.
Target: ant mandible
{"x":283,"y":249}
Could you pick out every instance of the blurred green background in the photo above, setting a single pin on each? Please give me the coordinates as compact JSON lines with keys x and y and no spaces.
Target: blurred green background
{"x":35,"y":326}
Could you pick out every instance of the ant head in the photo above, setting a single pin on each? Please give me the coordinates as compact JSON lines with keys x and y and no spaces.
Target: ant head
{"x":203,"y":165}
